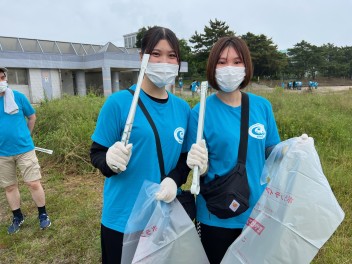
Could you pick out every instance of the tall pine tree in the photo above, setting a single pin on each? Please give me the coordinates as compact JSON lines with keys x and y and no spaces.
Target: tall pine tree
{"x":202,"y":43}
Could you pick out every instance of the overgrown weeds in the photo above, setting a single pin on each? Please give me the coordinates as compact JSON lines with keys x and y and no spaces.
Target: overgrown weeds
{"x":65,"y":126}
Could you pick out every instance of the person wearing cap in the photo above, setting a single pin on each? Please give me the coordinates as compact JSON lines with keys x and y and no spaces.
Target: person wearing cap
{"x":17,"y":119}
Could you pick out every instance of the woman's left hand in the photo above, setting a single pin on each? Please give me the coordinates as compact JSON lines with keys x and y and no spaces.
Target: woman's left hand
{"x":168,"y":190}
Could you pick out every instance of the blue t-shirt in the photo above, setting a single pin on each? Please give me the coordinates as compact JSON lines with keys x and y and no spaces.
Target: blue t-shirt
{"x":194,"y":86}
{"x":222,"y":136}
{"x":170,"y":118}
{"x":180,"y":84}
{"x":15,"y":137}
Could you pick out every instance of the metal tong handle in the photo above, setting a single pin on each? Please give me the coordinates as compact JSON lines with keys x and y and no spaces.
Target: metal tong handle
{"x":130,"y":118}
{"x":48,"y":151}
{"x":195,"y":187}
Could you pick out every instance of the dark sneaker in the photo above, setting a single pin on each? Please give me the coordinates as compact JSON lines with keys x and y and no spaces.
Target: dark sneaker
{"x":44,"y":221}
{"x":15,"y":226}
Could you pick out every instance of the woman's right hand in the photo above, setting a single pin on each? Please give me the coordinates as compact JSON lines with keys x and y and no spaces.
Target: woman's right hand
{"x":118,"y":156}
{"x":198,"y":156}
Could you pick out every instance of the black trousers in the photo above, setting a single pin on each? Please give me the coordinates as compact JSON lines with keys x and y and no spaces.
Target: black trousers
{"x":111,"y":245}
{"x":216,"y":240}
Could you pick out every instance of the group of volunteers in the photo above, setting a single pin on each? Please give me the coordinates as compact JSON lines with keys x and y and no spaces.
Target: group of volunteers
{"x":229,"y":71}
{"x":125,"y":167}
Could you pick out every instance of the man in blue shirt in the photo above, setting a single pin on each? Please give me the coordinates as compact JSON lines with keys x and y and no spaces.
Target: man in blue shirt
{"x":17,"y":119}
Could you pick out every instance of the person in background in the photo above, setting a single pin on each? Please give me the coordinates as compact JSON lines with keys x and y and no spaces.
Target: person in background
{"x":180,"y":84}
{"x":229,"y":71}
{"x":17,"y":119}
{"x":194,"y":87}
{"x":125,"y":168}
{"x":198,"y":84}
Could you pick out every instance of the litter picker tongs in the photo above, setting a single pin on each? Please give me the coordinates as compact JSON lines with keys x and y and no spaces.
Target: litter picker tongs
{"x":195,"y":187}
{"x":130,"y":118}
{"x":48,"y":151}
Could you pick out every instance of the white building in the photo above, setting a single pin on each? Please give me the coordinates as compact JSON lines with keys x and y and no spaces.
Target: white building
{"x":130,"y":40}
{"x":45,"y":69}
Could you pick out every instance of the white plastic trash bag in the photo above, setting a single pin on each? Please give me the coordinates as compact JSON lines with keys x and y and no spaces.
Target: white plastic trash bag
{"x":159,"y":232}
{"x":296,"y":214}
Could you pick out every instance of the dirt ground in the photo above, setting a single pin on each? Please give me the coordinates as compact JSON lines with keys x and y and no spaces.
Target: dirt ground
{"x":255,"y":86}
{"x":320,"y":89}
{"x":326,"y":89}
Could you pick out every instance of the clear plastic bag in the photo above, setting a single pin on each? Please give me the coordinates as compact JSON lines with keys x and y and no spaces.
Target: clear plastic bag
{"x":296,"y":214}
{"x":158,"y":232}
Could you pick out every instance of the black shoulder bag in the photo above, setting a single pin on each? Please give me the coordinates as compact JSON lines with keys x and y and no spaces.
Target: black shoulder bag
{"x":228,"y":195}
{"x":186,"y":198}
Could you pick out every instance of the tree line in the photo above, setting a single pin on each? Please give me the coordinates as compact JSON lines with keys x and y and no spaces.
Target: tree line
{"x":304,"y":60}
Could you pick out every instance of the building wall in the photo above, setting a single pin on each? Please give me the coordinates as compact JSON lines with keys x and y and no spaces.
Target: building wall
{"x":67,"y":82}
{"x":130,"y":40}
{"x":46,"y":73}
{"x":35,"y":85}
{"x":44,"y":84}
{"x":127,"y":79}
{"x":94,"y":82}
{"x":21,"y":88}
{"x":55,"y":82}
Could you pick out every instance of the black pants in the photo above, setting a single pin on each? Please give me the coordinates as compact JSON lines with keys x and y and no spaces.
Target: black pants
{"x":111,"y":245}
{"x":216,"y":240}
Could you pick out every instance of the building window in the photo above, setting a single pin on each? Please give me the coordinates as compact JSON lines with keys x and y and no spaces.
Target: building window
{"x":17,"y":76}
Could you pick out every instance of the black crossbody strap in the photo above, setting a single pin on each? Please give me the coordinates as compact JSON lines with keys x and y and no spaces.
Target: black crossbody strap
{"x":242,"y":150}
{"x":156,"y":134}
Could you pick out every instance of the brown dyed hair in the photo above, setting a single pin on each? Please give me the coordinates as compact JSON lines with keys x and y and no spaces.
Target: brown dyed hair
{"x":243,"y":52}
{"x":153,"y":35}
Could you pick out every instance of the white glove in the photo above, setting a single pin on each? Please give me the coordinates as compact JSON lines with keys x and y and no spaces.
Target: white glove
{"x":168,"y":190}
{"x":118,"y":156}
{"x":305,"y":138}
{"x":198,"y":156}
{"x":285,"y":148}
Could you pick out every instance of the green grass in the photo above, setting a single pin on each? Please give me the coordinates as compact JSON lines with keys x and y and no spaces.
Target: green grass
{"x":73,"y":187}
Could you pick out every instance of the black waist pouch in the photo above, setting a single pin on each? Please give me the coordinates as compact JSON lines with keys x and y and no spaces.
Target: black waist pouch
{"x":227,"y":196}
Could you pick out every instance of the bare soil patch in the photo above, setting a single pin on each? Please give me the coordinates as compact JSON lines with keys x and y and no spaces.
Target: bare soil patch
{"x":320,"y":89}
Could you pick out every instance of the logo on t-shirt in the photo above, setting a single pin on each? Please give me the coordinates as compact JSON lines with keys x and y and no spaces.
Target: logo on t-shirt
{"x":257,"y":131}
{"x":179,"y":133}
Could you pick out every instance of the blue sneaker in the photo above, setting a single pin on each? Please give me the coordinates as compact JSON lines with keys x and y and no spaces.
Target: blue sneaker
{"x":15,"y":226}
{"x":44,"y":221}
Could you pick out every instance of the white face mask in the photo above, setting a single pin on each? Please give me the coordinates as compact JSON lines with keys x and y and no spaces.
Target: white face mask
{"x":3,"y":86}
{"x":162,"y":74}
{"x":229,"y":78}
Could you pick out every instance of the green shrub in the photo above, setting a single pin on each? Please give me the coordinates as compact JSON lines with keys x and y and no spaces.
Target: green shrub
{"x":65,"y":126}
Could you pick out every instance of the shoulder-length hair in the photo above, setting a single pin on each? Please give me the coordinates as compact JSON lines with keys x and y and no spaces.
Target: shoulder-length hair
{"x":243,"y":52}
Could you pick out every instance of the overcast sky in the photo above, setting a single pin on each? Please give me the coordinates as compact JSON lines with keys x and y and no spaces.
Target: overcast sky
{"x":97,"y":22}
